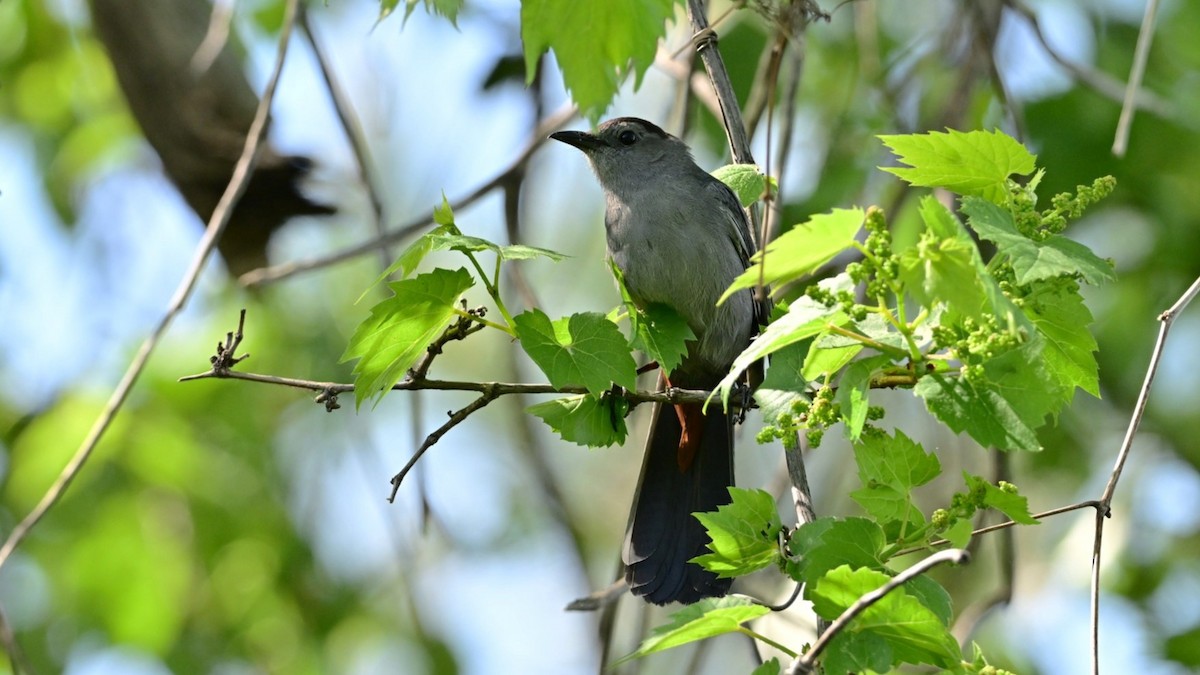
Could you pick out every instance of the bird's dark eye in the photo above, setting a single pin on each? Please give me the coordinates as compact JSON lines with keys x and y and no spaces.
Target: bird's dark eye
{"x":627,"y":137}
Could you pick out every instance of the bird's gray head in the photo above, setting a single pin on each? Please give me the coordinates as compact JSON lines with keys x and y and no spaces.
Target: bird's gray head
{"x":628,"y":153}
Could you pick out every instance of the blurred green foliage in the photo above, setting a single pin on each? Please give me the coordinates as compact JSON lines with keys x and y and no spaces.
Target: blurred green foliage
{"x":181,"y":537}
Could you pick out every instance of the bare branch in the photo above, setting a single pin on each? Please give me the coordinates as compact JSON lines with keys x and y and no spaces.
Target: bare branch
{"x":456,"y":418}
{"x":805,"y":663}
{"x":216,"y":225}
{"x":1140,"y":54}
{"x":1104,"y":506}
{"x":275,"y":273}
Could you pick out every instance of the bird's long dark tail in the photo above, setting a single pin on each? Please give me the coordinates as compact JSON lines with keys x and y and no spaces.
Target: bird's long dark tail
{"x":678,"y":479}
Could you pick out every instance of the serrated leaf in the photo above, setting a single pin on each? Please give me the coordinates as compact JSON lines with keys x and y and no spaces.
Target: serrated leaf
{"x":771,"y":667}
{"x":857,"y":652}
{"x":744,"y":534}
{"x":446,"y":8}
{"x":596,"y":43}
{"x":1057,"y":311}
{"x":854,"y":389}
{"x":663,"y":334}
{"x":1010,"y":504}
{"x":890,"y":468}
{"x":827,"y":542}
{"x":583,"y":349}
{"x":705,"y":619}
{"x":805,"y":318}
{"x":783,"y":384}
{"x":746,"y":181}
{"x":801,"y":250}
{"x":913,"y":631}
{"x":1033,"y":261}
{"x":824,"y":358}
{"x":968,"y":163}
{"x":460,"y":242}
{"x":592,"y":421}
{"x":978,"y":409}
{"x":944,"y":265}
{"x":399,"y":329}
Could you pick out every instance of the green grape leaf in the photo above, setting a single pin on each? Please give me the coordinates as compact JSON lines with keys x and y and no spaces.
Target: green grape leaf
{"x":857,"y":652}
{"x":784,"y":383}
{"x":1032,"y":260}
{"x":978,"y":409}
{"x":804,"y":319}
{"x":441,"y":241}
{"x":446,"y":8}
{"x":585,"y":419}
{"x":829,"y":353}
{"x":745,"y":534}
{"x":854,"y":389}
{"x":890,"y":468}
{"x":1057,"y":311}
{"x":915,"y":633}
{"x":705,"y":619}
{"x":1011,"y":504}
{"x":827,"y":542}
{"x":968,"y":163}
{"x":583,"y":349}
{"x":596,"y":43}
{"x":801,"y":250}
{"x":746,"y":181}
{"x":771,"y":667}
{"x":663,"y":334}
{"x":944,"y":265}
{"x":395,"y":335}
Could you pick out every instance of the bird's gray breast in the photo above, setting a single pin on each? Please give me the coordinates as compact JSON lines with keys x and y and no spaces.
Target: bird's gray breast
{"x":678,"y":252}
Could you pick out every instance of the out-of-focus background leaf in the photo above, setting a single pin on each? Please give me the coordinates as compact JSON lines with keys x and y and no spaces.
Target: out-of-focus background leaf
{"x":235,"y":528}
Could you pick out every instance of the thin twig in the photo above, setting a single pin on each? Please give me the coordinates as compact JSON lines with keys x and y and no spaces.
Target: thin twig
{"x":266,"y":275}
{"x":1104,"y":506}
{"x":1006,"y":524}
{"x":456,"y":418}
{"x":216,"y":225}
{"x":1098,"y":81}
{"x":1140,"y":53}
{"x":805,"y":663}
{"x":355,"y":135}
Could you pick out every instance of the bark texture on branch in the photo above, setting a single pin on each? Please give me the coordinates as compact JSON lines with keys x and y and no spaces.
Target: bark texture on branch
{"x":197,"y":119}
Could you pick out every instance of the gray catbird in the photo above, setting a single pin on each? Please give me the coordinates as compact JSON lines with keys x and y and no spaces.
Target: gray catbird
{"x":679,"y":237}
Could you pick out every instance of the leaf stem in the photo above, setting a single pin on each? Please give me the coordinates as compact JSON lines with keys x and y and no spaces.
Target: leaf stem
{"x":491,"y":324}
{"x":763,"y":638}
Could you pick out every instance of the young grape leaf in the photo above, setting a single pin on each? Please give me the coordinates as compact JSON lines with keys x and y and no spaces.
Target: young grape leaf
{"x":745,"y":534}
{"x":708,"y":618}
{"x":968,"y":163}
{"x":801,"y":250}
{"x":583,"y":349}
{"x":828,"y":542}
{"x":854,"y":390}
{"x":1010,"y":504}
{"x":585,"y":419}
{"x":399,"y":329}
{"x":805,"y":318}
{"x":1032,"y":261}
{"x":663,"y":334}
{"x":1057,"y":311}
{"x":890,"y":468}
{"x":746,"y":181}
{"x":944,"y":265}
{"x":595,"y":42}
{"x":915,"y":633}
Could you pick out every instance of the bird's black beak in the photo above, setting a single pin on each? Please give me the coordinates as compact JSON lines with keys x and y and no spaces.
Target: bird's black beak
{"x":579,"y":139}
